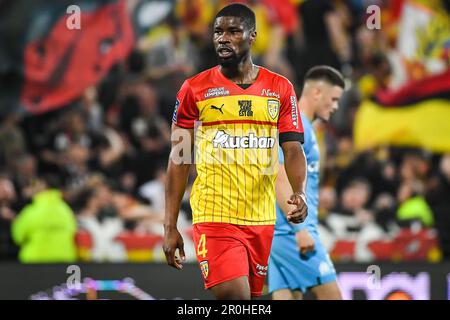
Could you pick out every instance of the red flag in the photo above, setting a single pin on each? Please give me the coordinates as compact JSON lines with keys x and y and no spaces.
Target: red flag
{"x":61,"y":65}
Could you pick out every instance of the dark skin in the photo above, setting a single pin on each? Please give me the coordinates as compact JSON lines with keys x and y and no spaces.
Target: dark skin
{"x":232,"y":42}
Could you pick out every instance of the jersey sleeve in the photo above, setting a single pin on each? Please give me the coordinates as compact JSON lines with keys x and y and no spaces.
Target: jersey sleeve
{"x":185,"y":112}
{"x":290,"y":123}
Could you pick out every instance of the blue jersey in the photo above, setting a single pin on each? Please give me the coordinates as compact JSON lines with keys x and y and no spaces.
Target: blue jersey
{"x":311,"y":149}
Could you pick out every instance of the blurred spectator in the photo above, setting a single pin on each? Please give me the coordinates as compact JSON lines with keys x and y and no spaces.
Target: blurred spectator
{"x":327,"y":201}
{"x":325,"y":36}
{"x":196,"y":19}
{"x":75,"y":169}
{"x":75,"y":131}
{"x":92,"y":109}
{"x":413,"y":206}
{"x":146,"y":129}
{"x":73,"y":146}
{"x":8,"y":251}
{"x":282,"y":20}
{"x":377,"y":72}
{"x":139,"y":217}
{"x":415,"y":166}
{"x":195,"y":16}
{"x":140,"y":117}
{"x":45,"y":229}
{"x":25,"y":178}
{"x":169,"y":51}
{"x":354,"y":221}
{"x":154,"y":191}
{"x":385,"y":207}
{"x":367,"y":166}
{"x":439,"y":201}
{"x":100,"y":218}
{"x":12,"y":139}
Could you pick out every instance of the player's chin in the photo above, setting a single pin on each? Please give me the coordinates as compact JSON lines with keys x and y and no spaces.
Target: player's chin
{"x":326,"y":117}
{"x":230,"y":61}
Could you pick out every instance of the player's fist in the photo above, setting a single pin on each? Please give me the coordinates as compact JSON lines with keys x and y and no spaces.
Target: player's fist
{"x":299,"y":213}
{"x":173,"y":241}
{"x":304,"y":241}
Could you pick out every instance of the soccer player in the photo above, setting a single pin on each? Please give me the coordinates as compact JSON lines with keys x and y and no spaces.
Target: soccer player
{"x":240,"y":112}
{"x":298,"y":261}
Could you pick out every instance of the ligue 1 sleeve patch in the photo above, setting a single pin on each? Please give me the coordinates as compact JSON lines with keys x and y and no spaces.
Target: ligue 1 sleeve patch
{"x":175,"y":111}
{"x":205,"y":268}
{"x":294,"y":112}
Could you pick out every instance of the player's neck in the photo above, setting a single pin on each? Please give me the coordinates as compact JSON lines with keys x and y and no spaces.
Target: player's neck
{"x":306,"y":108}
{"x":243,"y":73}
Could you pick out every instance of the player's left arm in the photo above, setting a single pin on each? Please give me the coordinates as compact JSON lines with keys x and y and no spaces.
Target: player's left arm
{"x":291,"y":138}
{"x":283,"y":191}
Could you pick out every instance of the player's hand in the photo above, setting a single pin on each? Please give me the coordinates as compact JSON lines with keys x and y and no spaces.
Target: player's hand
{"x":173,"y":241}
{"x":299,"y":213}
{"x":304,"y":241}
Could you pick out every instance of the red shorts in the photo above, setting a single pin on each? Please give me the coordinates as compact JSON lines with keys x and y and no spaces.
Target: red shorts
{"x":226,"y":252}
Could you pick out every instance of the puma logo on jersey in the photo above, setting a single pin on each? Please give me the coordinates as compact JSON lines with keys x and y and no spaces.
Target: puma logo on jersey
{"x":217,"y":108}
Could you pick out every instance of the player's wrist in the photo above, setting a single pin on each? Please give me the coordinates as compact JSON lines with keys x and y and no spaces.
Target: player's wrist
{"x":170,"y":227}
{"x":300,"y":194}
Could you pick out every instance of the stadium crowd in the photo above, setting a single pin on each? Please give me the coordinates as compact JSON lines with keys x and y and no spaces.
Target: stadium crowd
{"x":103,"y":157}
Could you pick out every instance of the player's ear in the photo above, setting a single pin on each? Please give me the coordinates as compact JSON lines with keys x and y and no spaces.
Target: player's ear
{"x":317,"y":92}
{"x":252,"y":36}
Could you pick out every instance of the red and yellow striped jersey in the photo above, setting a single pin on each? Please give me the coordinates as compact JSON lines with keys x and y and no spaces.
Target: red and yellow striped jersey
{"x":237,"y":132}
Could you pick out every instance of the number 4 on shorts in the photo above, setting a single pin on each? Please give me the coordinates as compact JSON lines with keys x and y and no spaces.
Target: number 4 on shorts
{"x":201,"y":248}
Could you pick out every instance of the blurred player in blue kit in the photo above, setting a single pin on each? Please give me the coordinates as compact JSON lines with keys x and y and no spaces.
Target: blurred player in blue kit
{"x":298,"y":261}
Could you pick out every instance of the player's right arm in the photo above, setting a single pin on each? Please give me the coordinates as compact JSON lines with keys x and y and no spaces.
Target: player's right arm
{"x":184,"y":116}
{"x":176,"y":181}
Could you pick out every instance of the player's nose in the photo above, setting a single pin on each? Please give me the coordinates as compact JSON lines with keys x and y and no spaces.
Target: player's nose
{"x":224,"y":38}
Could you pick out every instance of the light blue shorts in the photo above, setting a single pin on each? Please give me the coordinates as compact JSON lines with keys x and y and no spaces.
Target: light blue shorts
{"x":290,"y":270}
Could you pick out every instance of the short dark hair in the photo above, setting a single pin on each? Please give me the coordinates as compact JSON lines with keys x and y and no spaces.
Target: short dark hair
{"x":241,"y":11}
{"x":326,"y":73}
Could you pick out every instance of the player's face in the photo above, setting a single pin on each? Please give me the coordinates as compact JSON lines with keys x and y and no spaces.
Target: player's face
{"x":232,"y":40}
{"x":327,"y":102}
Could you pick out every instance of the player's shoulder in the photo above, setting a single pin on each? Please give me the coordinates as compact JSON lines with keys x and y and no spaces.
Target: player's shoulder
{"x":201,"y":78}
{"x":276,"y":78}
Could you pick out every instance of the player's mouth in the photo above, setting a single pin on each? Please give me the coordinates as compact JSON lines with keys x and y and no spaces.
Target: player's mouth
{"x":225,"y":52}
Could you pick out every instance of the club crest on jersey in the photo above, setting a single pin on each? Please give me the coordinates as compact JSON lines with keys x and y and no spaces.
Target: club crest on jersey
{"x":273,"y":106}
{"x":205,"y":268}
